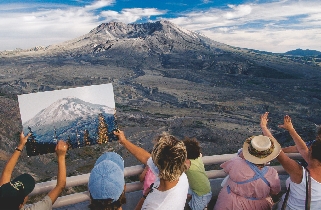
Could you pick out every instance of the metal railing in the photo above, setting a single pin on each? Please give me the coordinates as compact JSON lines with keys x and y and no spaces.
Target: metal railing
{"x":133,"y":186}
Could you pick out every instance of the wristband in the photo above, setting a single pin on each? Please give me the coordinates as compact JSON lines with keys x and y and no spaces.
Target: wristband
{"x":18,"y":149}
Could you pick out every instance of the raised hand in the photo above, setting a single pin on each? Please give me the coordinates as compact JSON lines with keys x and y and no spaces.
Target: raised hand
{"x":287,"y":123}
{"x":61,"y":148}
{"x":263,"y":124}
{"x":121,"y":136}
{"x":139,"y":153}
{"x":23,"y":138}
{"x":264,"y":120}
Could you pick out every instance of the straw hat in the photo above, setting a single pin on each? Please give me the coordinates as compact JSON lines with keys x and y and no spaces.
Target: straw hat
{"x":260,"y":149}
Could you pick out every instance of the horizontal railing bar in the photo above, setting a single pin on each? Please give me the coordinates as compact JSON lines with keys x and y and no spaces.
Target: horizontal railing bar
{"x":80,"y":180}
{"x":294,"y":156}
{"x":70,"y":182}
{"x":71,"y":199}
{"x":217,"y":159}
{"x":84,"y":196}
{"x":135,"y":186}
{"x":73,"y":181}
{"x":214,"y":174}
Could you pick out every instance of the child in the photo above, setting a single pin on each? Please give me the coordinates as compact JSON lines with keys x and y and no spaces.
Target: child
{"x":148,"y":177}
{"x":199,"y":191}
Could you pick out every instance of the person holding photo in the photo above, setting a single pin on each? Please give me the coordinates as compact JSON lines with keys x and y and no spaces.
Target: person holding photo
{"x":14,"y":193}
{"x":167,"y":161}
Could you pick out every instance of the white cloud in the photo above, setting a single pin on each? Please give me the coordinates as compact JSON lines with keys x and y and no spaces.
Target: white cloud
{"x":277,"y":40}
{"x":206,"y":1}
{"x":238,"y":11}
{"x":276,"y":26}
{"x":47,"y":24}
{"x":99,"y":4}
{"x":10,"y":7}
{"x":51,"y":24}
{"x":247,"y":13}
{"x":130,"y":15}
{"x":44,"y":27}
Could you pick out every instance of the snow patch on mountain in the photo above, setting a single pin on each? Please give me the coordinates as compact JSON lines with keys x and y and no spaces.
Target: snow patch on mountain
{"x":65,"y":110}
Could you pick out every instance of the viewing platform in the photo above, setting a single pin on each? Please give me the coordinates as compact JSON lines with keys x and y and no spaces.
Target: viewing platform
{"x":78,"y":201}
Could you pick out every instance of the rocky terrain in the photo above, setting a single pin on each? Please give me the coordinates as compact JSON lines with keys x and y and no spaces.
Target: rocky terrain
{"x":165,"y":78}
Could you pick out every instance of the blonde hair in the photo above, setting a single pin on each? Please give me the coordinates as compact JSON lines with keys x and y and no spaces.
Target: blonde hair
{"x":169,"y":155}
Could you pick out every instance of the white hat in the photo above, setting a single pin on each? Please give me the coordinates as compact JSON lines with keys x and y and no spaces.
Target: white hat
{"x":260,"y":149}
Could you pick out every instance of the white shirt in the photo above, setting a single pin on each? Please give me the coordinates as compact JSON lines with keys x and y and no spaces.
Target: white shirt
{"x":297,"y":194}
{"x":44,"y":204}
{"x":174,"y":198}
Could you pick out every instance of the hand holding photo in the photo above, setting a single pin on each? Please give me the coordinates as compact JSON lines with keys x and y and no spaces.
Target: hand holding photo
{"x":81,"y":116}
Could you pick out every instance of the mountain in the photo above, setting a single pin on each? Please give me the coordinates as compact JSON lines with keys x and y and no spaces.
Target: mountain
{"x":300,"y":52}
{"x":163,"y":45}
{"x":66,"y":110}
{"x":67,"y":116}
{"x":159,"y":37}
{"x":166,"y":78}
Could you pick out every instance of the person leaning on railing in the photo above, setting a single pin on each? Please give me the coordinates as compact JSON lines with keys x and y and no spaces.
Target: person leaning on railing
{"x":167,"y":161}
{"x":304,"y":189}
{"x":199,"y":192}
{"x":106,"y":183}
{"x":251,"y":183}
{"x":14,"y":193}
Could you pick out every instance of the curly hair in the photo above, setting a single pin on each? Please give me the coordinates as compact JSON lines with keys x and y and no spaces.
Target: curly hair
{"x":192,"y":147}
{"x":169,"y":155}
{"x":107,"y":204}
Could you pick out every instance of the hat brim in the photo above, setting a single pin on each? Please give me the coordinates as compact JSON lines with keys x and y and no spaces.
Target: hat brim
{"x":256,"y":160}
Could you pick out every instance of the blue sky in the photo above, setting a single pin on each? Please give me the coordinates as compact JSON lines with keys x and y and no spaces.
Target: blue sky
{"x":274,"y":26}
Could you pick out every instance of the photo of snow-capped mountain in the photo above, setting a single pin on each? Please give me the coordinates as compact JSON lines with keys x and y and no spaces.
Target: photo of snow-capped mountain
{"x":79,"y":120}
{"x":66,"y":110}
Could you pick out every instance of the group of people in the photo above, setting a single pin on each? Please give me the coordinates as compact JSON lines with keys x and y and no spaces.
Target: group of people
{"x":251,"y":182}
{"x":174,"y":176}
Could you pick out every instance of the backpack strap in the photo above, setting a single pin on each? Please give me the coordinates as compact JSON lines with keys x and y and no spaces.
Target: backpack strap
{"x":308,"y":189}
{"x":286,"y":198}
{"x":259,"y":174}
